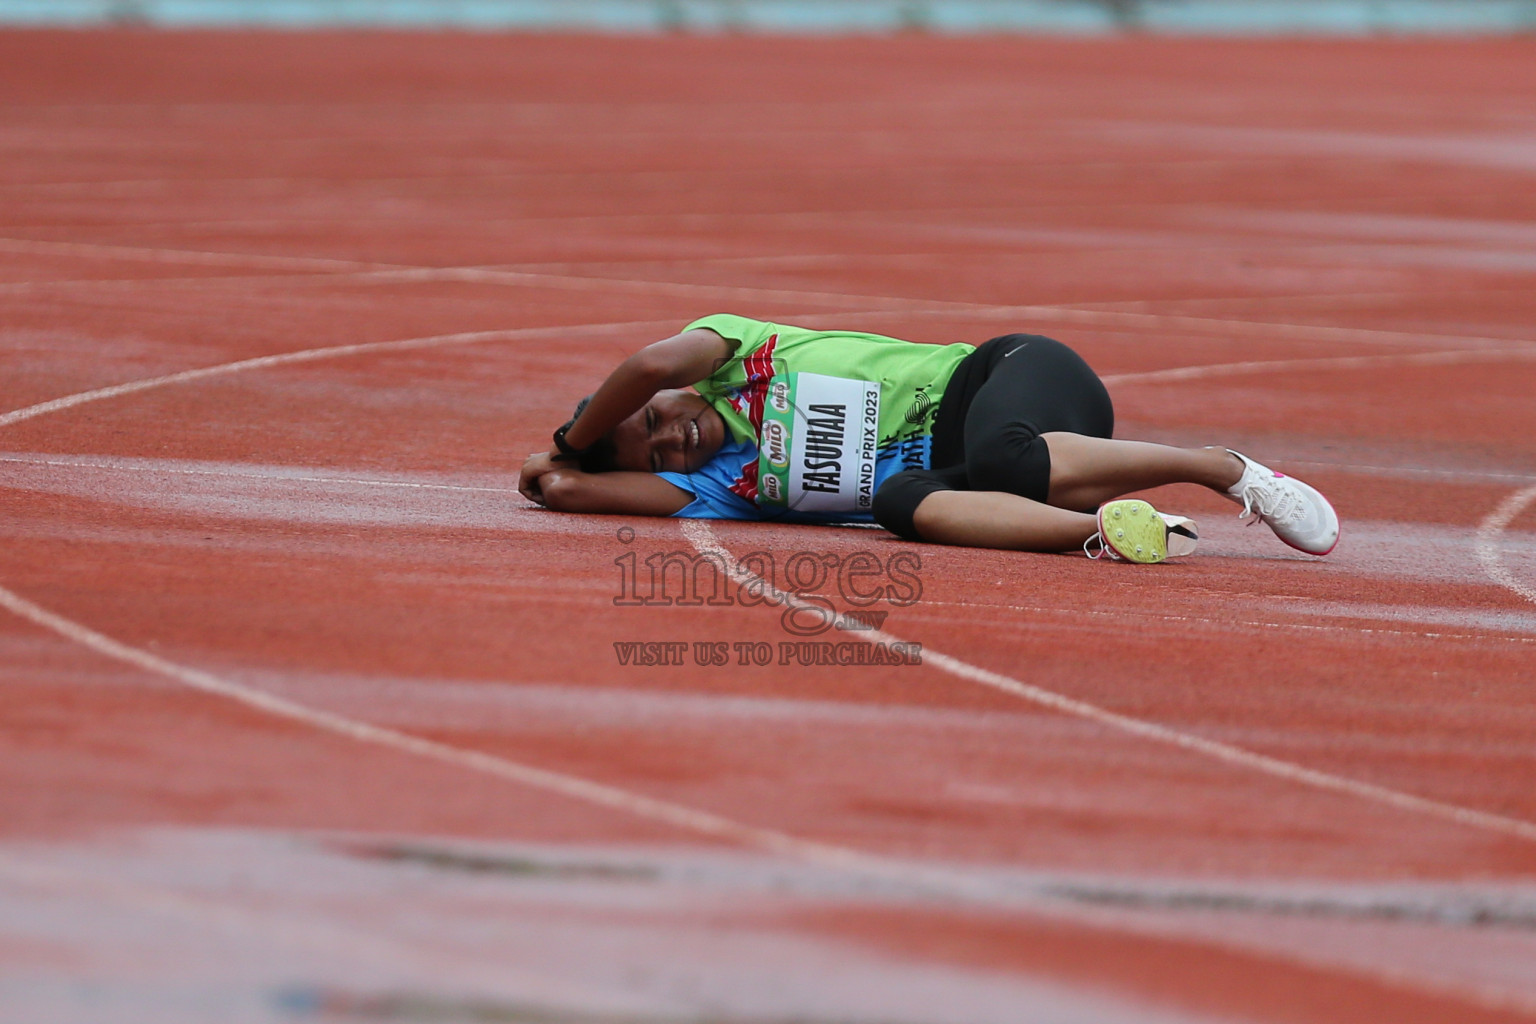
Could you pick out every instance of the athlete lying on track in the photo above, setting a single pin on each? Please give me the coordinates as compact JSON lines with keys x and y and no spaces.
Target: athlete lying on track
{"x":1001,"y":445}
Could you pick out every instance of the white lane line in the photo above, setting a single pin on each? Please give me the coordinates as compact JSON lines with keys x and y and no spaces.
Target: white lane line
{"x":886,"y":304}
{"x":1036,"y":610}
{"x":1459,"y":356}
{"x":297,"y":475}
{"x":294,"y":279}
{"x":1078,"y":614}
{"x":312,"y":355}
{"x":301,"y":478}
{"x":98,"y":250}
{"x":704,"y":541}
{"x":286,"y":477}
{"x":326,"y":940}
{"x":234,"y":474}
{"x":475,"y":337}
{"x":333,"y":352}
{"x":942,"y":307}
{"x":1438,"y":474}
{"x":1488,"y":531}
{"x":919,"y":878}
{"x":661,"y":812}
{"x":914,"y":880}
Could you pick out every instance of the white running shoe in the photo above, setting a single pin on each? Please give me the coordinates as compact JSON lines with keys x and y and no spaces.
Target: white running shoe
{"x":1134,"y":531}
{"x":1298,"y":513}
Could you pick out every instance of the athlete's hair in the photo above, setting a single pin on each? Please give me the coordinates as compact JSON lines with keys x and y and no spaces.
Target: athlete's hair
{"x":599,"y":458}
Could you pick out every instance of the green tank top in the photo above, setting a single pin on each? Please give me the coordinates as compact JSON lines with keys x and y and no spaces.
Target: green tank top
{"x":833,"y":413}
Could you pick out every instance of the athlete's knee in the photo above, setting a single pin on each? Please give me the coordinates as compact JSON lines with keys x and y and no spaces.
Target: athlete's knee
{"x":896,"y":501}
{"x":1014,"y":459}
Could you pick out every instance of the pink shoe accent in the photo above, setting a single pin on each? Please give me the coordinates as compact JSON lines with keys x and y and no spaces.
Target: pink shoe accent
{"x":1325,"y":553}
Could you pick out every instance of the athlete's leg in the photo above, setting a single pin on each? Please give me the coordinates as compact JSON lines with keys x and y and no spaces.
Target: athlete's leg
{"x":994,"y":519}
{"x":1040,"y":387}
{"x":1040,"y":428}
{"x":1038,"y":460}
{"x":933,"y":505}
{"x":1088,"y":471}
{"x":1085,"y":473}
{"x":997,"y":497}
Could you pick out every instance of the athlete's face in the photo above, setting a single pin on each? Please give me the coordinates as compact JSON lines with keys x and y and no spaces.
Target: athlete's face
{"x":676,"y":432}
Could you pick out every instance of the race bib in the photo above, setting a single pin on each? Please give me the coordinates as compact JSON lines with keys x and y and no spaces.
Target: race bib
{"x":816,"y":450}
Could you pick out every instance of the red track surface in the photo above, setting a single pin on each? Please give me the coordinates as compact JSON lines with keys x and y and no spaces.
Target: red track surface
{"x":1252,"y":786}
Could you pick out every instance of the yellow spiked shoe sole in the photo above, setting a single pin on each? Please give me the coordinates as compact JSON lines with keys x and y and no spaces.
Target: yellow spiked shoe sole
{"x":1133,"y":530}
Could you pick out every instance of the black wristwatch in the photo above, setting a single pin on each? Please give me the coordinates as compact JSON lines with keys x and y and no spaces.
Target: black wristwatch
{"x":565,"y":448}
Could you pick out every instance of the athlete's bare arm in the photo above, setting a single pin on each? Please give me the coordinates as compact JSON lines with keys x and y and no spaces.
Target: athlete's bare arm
{"x":564,"y":488}
{"x":675,"y":362}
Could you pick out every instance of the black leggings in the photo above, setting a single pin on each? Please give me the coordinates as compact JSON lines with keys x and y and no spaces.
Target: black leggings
{"x":986,"y":434}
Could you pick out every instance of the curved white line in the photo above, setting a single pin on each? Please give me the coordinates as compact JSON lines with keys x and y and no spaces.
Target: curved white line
{"x":919,"y":879}
{"x":321,"y":938}
{"x":886,"y":303}
{"x":661,"y":811}
{"x":115,"y":466}
{"x":194,"y":257}
{"x":704,"y":541}
{"x":473,"y":337}
{"x":1181,"y":373}
{"x":307,"y":356}
{"x":1488,"y":542}
{"x":234,"y":474}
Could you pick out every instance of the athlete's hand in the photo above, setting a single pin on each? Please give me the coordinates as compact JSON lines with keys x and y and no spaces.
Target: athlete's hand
{"x":538,"y":465}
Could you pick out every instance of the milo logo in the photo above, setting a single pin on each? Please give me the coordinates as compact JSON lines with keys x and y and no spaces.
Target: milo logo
{"x":817,"y":443}
{"x":778,"y":396}
{"x":775,"y":443}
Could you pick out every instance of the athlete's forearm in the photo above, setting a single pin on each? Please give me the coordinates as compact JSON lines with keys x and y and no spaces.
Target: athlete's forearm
{"x":632,"y":383}
{"x":635,"y":494}
{"x":676,"y":362}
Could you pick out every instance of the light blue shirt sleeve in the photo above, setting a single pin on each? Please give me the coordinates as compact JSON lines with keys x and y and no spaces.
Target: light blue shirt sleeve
{"x":713,"y":498}
{"x":711,"y":484}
